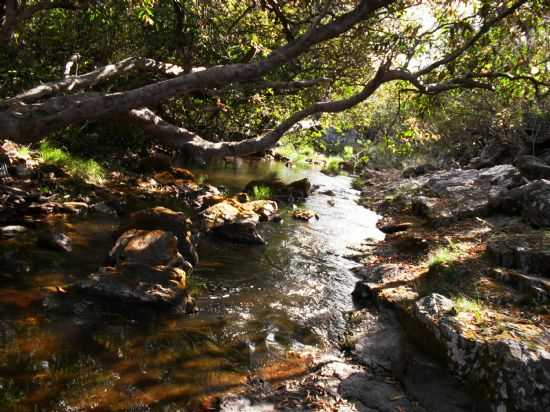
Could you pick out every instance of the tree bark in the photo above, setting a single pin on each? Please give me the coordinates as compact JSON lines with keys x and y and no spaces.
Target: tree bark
{"x":28,"y":122}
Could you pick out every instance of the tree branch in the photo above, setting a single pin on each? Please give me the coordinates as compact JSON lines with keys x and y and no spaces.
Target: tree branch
{"x":71,"y":83}
{"x":186,"y":140}
{"x":30,"y":122}
{"x":484,"y":29}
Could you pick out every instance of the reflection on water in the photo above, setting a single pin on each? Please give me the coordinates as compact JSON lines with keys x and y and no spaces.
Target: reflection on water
{"x":259,"y":302}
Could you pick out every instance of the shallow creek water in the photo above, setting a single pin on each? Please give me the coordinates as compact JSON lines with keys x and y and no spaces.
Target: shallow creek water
{"x":256,"y":304}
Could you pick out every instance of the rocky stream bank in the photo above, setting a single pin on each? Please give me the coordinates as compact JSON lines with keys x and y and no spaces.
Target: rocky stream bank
{"x":456,"y":285}
{"x":466,"y":266}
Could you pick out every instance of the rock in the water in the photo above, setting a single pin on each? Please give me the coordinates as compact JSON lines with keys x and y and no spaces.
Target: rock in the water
{"x":76,"y":208}
{"x":153,"y":248}
{"x":12,"y":230}
{"x":161,"y":218}
{"x":53,"y":240}
{"x":147,"y":269}
{"x":379,"y":275}
{"x":181,"y":173}
{"x":137,"y":283}
{"x":241,"y":232}
{"x":237,"y":221}
{"x":304,"y":214}
{"x":104,"y":208}
{"x":533,"y":167}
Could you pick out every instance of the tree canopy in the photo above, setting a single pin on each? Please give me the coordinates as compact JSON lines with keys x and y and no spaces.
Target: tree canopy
{"x":217,"y":77}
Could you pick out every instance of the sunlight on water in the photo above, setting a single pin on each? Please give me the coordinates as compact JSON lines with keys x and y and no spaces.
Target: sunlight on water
{"x":259,"y":303}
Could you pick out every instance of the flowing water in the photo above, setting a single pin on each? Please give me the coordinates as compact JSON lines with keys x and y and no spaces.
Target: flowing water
{"x":256,"y":303}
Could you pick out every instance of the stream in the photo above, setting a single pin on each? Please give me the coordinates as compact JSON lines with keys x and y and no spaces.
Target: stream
{"x":256,"y":304}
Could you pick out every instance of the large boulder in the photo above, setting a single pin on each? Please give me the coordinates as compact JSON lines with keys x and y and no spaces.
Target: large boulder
{"x":455,"y":194}
{"x":526,"y":252}
{"x":512,"y":374}
{"x":237,"y":221}
{"x":531,"y":200}
{"x":161,"y":218}
{"x":533,"y":167}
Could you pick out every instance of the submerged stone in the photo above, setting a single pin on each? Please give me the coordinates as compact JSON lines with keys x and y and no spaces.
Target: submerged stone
{"x":57,"y":241}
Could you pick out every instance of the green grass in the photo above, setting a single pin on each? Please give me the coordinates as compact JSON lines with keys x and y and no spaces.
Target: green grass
{"x":86,"y":169}
{"x":261,"y":192}
{"x":332,"y":166}
{"x":465,"y":304}
{"x":446,"y":255}
{"x":24,"y":151}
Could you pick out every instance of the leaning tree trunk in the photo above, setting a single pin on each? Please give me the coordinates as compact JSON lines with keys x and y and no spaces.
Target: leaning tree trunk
{"x":30,"y":115}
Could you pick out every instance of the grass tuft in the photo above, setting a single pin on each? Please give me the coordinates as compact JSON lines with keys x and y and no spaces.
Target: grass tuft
{"x":261,"y":192}
{"x":86,"y":169}
{"x":446,"y":255}
{"x":469,"y":305}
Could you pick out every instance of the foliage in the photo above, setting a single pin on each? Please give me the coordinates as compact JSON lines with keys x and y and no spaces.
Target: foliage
{"x":86,"y":169}
{"x":465,"y":304}
{"x":261,"y":192}
{"x":397,"y":126}
{"x":445,"y":255}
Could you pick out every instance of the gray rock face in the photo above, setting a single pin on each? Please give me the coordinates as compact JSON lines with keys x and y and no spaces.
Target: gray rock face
{"x":533,"y":167}
{"x":531,"y":200}
{"x":514,"y":376}
{"x":520,"y":252}
{"x":434,"y":306}
{"x":456,"y":194}
{"x":380,"y":396}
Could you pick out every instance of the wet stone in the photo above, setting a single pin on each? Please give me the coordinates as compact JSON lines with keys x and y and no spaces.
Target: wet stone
{"x":161,"y":218}
{"x":56,"y":241}
{"x":137,"y":283}
{"x":12,"y":230}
